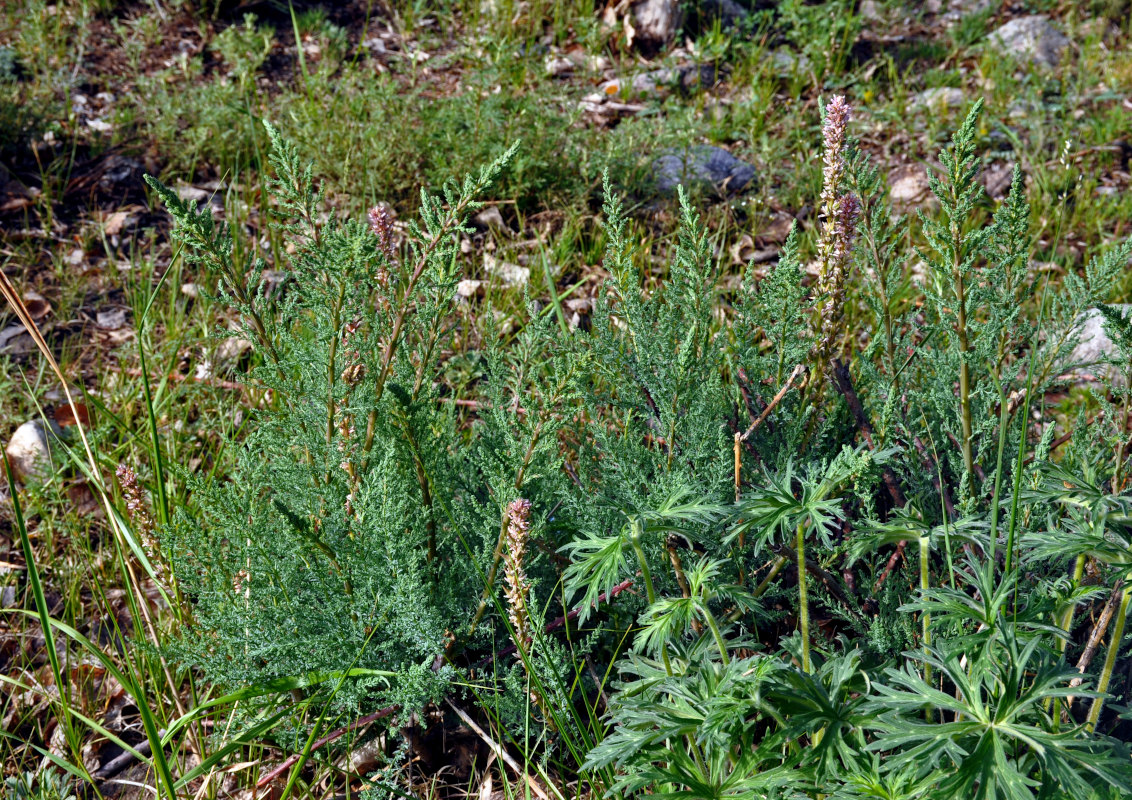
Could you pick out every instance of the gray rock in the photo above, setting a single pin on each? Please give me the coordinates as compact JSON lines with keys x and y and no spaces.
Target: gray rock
{"x":688,"y":78}
{"x":468,"y":288}
{"x":909,"y":188}
{"x":956,"y":8}
{"x":954,"y":11}
{"x":120,"y":172}
{"x":871,"y":11}
{"x":788,"y":64}
{"x":111,"y":319}
{"x":939,"y":99}
{"x":1094,"y":344}
{"x":510,"y":275}
{"x":1031,"y":39}
{"x":728,"y":12}
{"x":702,"y":165}
{"x":657,"y":21}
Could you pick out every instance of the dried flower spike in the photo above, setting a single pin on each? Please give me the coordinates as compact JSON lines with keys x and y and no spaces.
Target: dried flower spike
{"x":138,"y":512}
{"x":517,"y":589}
{"x":381,"y":223}
{"x":837,"y":116}
{"x":840,"y":214}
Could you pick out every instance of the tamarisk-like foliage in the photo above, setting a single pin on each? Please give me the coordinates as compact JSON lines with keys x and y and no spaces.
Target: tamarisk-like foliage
{"x":773,"y":643}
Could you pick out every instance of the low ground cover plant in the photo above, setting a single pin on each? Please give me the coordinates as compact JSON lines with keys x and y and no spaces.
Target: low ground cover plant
{"x":803,"y":560}
{"x":576,"y":485}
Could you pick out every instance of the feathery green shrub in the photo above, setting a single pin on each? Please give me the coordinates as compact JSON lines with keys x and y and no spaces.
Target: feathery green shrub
{"x":837,"y":573}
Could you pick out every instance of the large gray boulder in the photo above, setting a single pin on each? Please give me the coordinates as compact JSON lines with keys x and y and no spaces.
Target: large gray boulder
{"x":702,"y":166}
{"x":657,"y":21}
{"x":1032,"y":39}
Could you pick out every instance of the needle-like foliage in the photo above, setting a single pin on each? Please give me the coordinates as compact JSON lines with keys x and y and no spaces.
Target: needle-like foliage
{"x":722,"y":492}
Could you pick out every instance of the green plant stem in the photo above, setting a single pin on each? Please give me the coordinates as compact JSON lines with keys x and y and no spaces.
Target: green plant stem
{"x":803,"y":602}
{"x":764,"y":584}
{"x":331,"y":368}
{"x":497,"y":555}
{"x":162,"y":500}
{"x":1110,"y":658}
{"x":450,"y":224}
{"x":964,"y":348}
{"x":1067,"y":618}
{"x":926,"y":620}
{"x":61,"y":682}
{"x":646,"y":576}
{"x":1016,"y":491}
{"x":1003,"y":415}
{"x":1123,"y":442}
{"x":1065,"y":623}
{"x":714,"y":626}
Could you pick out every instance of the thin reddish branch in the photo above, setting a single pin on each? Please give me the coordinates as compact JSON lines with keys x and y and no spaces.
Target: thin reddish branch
{"x":798,"y":372}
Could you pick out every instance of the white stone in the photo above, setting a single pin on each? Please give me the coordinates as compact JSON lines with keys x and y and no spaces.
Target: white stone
{"x":870,"y":11}
{"x":557,"y":66}
{"x":111,"y":319}
{"x":231,"y":349}
{"x":510,"y":274}
{"x":943,"y":97}
{"x":490,"y":217}
{"x":1094,"y":345}
{"x":909,"y":188}
{"x":186,"y":192}
{"x":788,"y":64}
{"x":28,"y":452}
{"x":468,"y":288}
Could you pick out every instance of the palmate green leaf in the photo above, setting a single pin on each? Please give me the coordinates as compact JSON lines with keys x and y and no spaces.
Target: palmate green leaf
{"x":668,"y":619}
{"x":664,"y":621}
{"x":680,"y":512}
{"x":996,"y":739}
{"x":828,"y":701}
{"x":769,"y":510}
{"x":788,"y":498}
{"x":907,"y":524}
{"x":722,"y":709}
{"x":1081,"y":485}
{"x":869,"y":780}
{"x":681,"y":779}
{"x":1083,"y":516}
{"x":982,"y":606}
{"x":1078,"y":535}
{"x":597,"y":563}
